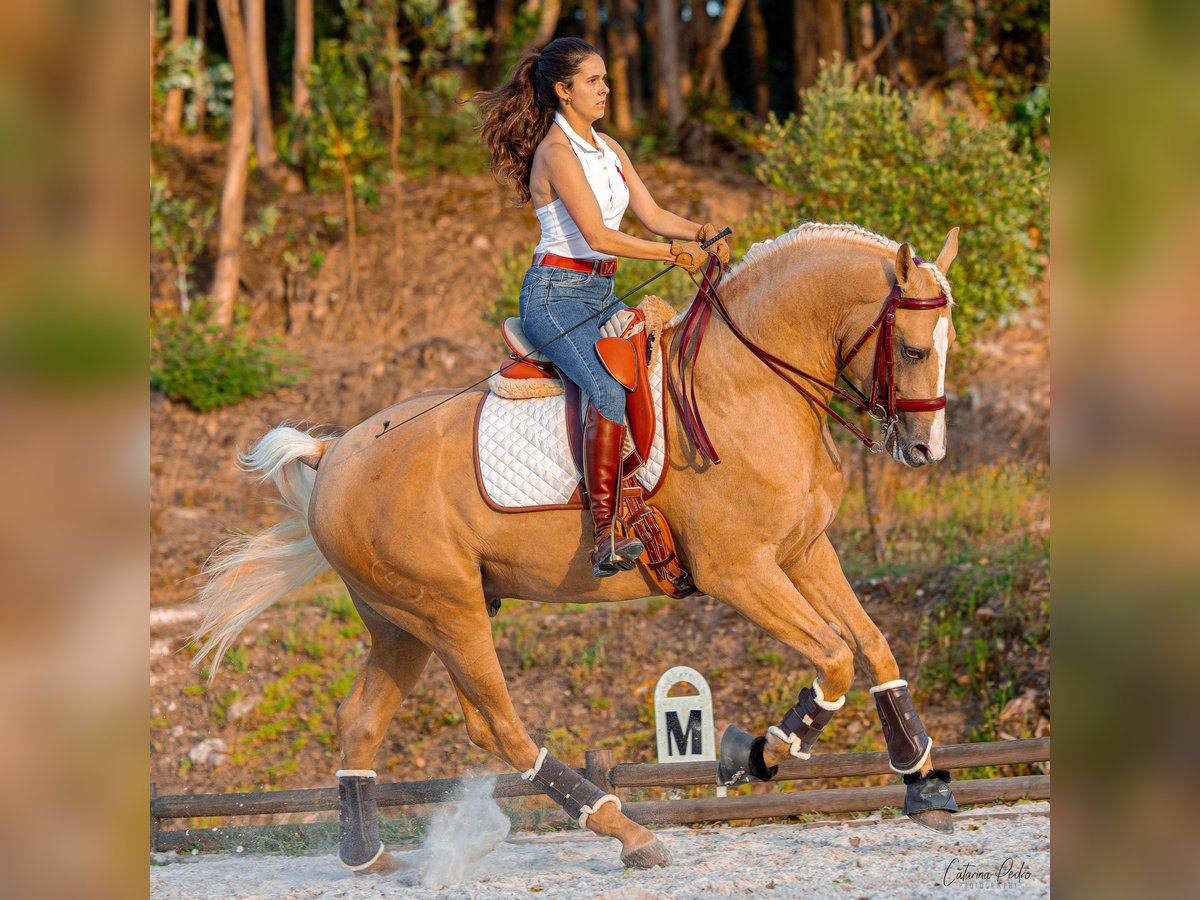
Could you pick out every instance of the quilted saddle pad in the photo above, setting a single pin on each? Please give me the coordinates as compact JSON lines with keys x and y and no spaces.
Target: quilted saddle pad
{"x":523,"y":458}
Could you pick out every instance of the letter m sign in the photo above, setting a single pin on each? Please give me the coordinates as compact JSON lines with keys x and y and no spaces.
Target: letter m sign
{"x":684,"y":723}
{"x":677,"y":737}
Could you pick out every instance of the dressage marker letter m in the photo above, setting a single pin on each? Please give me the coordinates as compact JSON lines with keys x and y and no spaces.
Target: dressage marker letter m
{"x":684,"y":724}
{"x":678,"y":738}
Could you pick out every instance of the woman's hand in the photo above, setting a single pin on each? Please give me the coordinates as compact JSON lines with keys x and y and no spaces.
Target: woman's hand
{"x":721,"y":247}
{"x":689,"y":255}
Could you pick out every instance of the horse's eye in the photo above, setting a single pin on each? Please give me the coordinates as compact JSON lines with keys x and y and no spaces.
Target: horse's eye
{"x":915,"y":353}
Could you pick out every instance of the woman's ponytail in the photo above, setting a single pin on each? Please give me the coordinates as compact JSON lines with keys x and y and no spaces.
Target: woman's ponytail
{"x":516,"y":116}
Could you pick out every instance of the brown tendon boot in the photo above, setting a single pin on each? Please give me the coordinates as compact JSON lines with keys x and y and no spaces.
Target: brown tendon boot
{"x":602,"y":440}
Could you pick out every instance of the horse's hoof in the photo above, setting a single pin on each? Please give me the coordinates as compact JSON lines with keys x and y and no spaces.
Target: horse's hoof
{"x":929,"y":801}
{"x":384,"y":864}
{"x":938,"y":820}
{"x":652,"y":854}
{"x":742,"y":759}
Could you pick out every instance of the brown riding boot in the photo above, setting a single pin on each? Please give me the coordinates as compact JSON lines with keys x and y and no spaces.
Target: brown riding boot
{"x":602,"y":440}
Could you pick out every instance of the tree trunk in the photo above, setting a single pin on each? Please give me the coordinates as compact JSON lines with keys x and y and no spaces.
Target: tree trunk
{"x":233,"y":197}
{"x":173,"y":112}
{"x":622,"y":37}
{"x":668,"y":63}
{"x":301,"y":59}
{"x":860,"y":39}
{"x":887,"y":17}
{"x":551,"y":9}
{"x":351,"y":232}
{"x":805,"y":44}
{"x":700,"y":29}
{"x":302,"y":56}
{"x":712,"y":62}
{"x":202,"y":37}
{"x":264,"y":128}
{"x":954,"y":45}
{"x":832,"y":29}
{"x":879,"y":546}
{"x":396,"y":101}
{"x":153,"y":6}
{"x":633,"y":54}
{"x":591,"y":25}
{"x":501,"y":29}
{"x":866,"y":63}
{"x":757,"y":34}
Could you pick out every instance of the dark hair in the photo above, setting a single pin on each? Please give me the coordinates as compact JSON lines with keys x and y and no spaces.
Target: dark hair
{"x":516,"y":116}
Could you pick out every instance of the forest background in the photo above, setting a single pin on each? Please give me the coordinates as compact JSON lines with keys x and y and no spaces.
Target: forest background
{"x":310,"y":160}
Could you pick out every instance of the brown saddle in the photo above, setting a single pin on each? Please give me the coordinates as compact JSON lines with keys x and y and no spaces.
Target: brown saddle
{"x":626,"y":351}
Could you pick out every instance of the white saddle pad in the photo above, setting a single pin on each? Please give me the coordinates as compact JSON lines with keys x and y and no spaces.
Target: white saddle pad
{"x":524,"y":454}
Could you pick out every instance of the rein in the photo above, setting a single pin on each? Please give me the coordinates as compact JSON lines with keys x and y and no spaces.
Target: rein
{"x":882,"y":404}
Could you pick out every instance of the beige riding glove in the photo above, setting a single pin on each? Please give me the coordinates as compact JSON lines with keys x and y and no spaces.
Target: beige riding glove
{"x":721,"y":247}
{"x":689,"y":255}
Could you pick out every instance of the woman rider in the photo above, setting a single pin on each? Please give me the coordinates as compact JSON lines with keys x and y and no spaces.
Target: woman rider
{"x":538,"y":127}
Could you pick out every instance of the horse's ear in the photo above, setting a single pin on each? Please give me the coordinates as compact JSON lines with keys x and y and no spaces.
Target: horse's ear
{"x":949,"y":251}
{"x":904,"y":265}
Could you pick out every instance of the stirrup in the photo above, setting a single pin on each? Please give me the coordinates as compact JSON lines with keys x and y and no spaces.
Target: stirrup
{"x":623,"y":561}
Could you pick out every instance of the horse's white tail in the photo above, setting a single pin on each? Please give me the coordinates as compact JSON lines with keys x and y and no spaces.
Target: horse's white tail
{"x":250,"y":573}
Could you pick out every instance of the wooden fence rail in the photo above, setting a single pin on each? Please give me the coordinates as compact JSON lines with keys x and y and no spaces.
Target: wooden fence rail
{"x":601,"y":770}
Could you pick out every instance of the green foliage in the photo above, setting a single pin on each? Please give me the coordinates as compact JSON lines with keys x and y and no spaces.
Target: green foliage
{"x":525,"y":23}
{"x":963,"y":547}
{"x":268,"y":218}
{"x":1031,"y":118}
{"x":237,"y":659}
{"x":194,"y":360}
{"x":340,"y":142}
{"x":440,"y":136}
{"x":867,"y":155}
{"x":432,"y":43}
{"x":180,"y":229}
{"x":185,"y":66}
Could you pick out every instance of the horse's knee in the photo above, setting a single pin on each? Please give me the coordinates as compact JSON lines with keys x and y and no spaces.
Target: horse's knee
{"x":837,"y":669}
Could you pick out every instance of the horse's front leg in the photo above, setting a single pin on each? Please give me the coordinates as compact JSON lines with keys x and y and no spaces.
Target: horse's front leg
{"x":763,"y":593}
{"x":817,"y":573}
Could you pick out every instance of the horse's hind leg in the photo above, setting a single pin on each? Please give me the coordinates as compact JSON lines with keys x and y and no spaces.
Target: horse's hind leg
{"x":465,"y":646}
{"x":394,"y":662}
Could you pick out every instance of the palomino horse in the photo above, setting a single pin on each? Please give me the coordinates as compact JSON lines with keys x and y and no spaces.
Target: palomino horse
{"x":401,"y":520}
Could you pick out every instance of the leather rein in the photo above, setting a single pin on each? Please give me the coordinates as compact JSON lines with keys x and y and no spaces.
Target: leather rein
{"x":881,"y":404}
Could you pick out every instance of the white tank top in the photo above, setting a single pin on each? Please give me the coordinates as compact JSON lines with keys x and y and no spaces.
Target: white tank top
{"x":560,"y":234}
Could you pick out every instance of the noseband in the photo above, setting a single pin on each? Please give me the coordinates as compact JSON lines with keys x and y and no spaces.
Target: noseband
{"x":881,"y":404}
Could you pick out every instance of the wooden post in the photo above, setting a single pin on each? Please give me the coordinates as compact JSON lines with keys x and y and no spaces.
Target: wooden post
{"x":155,"y":821}
{"x":596,"y":767}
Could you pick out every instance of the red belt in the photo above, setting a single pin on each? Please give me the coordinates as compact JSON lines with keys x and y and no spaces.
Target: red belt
{"x":604,"y":267}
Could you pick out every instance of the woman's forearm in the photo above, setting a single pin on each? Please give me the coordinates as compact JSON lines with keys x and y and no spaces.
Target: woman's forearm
{"x":672,"y":226}
{"x":617,"y":243}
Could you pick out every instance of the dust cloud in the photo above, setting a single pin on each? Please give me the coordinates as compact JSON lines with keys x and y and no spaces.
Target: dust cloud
{"x":462,"y":834}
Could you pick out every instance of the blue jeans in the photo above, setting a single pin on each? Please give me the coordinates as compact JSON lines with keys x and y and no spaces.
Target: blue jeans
{"x":552,"y":301}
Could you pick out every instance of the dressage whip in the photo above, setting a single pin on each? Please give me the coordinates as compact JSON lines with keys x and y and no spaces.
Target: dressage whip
{"x":388,"y":426}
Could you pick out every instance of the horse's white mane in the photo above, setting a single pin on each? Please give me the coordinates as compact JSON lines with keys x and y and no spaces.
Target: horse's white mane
{"x":817,"y":232}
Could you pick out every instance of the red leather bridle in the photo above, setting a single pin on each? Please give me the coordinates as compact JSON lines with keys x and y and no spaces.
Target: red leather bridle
{"x":882,"y":402}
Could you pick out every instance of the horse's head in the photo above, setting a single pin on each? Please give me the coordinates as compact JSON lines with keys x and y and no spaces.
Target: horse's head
{"x":907,"y":385}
